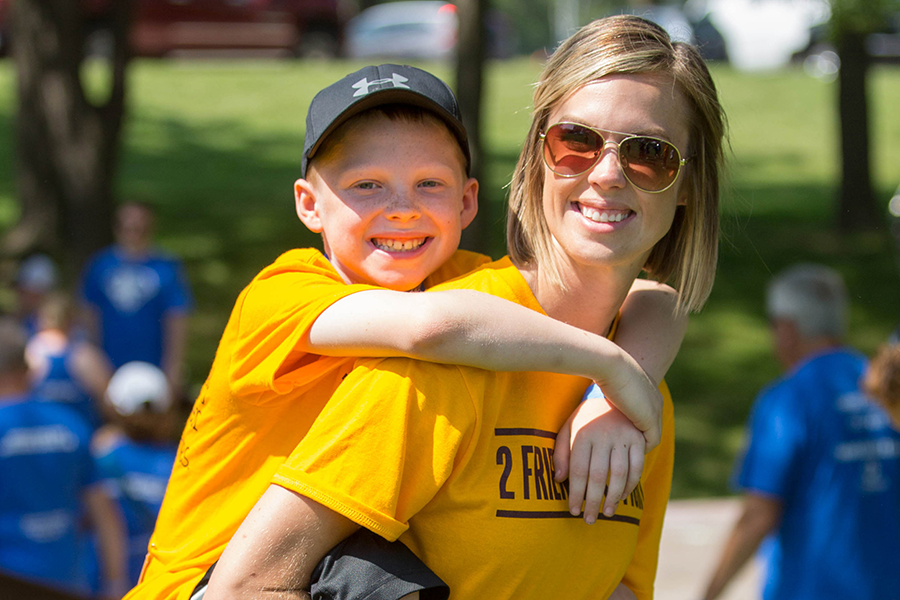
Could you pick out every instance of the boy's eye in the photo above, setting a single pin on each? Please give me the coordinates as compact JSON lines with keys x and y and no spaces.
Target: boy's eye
{"x":366,"y":185}
{"x":430,"y":183}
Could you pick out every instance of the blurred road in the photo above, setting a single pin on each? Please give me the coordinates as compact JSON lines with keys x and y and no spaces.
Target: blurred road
{"x":693,"y":536}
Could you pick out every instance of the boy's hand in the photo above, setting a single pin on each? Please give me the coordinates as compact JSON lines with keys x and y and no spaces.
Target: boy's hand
{"x":595,"y":444}
{"x":631,"y":390}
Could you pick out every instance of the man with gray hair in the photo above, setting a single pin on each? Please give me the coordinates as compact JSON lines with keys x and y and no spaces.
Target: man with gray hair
{"x":821,"y":471}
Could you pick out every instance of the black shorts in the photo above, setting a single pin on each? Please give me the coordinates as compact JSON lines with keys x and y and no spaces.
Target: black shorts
{"x":365,"y":566}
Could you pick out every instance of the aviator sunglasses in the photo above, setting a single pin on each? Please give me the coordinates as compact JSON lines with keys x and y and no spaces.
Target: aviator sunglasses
{"x":649,"y":163}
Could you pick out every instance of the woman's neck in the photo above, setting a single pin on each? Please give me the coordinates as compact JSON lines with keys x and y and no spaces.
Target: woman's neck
{"x":591,"y":299}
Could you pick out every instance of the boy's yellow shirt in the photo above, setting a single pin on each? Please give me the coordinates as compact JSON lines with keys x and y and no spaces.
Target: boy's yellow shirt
{"x":258,"y":402}
{"x":456,"y":462}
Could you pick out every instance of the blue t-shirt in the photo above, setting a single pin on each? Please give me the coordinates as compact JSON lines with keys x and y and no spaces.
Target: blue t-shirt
{"x":55,"y":382}
{"x":132,"y":297}
{"x":136,"y":474}
{"x":45,"y":465}
{"x":828,"y":453}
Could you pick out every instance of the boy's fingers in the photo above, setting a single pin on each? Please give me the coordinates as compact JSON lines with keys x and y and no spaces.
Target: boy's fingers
{"x":618,"y":476}
{"x":561,"y":452}
{"x":635,"y":468}
{"x":596,"y":482}
{"x":579,"y":470}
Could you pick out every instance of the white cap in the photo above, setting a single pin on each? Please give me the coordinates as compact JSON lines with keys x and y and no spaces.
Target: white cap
{"x":138,"y":384}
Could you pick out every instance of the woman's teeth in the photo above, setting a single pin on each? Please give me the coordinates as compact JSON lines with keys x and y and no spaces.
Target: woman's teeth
{"x":397,"y":245}
{"x":603,"y":216}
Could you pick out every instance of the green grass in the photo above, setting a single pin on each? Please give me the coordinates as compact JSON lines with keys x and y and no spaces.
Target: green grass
{"x":216,"y":145}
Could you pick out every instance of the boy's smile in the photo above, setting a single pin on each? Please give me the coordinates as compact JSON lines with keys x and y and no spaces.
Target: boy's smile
{"x":390,"y":198}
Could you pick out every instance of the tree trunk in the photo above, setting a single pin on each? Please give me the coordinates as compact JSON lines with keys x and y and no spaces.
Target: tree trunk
{"x":857,"y":209}
{"x":470,"y":59}
{"x":67,"y":148}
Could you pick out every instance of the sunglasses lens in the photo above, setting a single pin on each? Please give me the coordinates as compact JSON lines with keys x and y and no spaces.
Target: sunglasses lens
{"x":650,"y":164}
{"x":571,"y":149}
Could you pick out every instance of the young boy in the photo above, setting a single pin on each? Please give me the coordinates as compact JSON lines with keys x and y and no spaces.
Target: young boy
{"x":385,"y":182}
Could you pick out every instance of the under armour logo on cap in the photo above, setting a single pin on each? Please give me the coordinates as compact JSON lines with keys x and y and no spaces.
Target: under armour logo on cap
{"x":396,"y":81}
{"x":378,"y":85}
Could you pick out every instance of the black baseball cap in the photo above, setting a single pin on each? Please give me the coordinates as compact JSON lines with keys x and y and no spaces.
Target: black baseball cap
{"x":374,"y":86}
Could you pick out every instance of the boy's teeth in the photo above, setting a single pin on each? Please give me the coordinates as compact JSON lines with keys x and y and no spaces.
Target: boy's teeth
{"x":397,"y":245}
{"x":606,"y":216}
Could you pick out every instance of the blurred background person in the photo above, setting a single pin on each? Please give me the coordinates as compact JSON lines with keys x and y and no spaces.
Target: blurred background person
{"x":65,"y":367}
{"x":136,"y":451}
{"x":137,"y":297}
{"x":48,"y":482}
{"x":821,"y":466}
{"x":36,"y":277}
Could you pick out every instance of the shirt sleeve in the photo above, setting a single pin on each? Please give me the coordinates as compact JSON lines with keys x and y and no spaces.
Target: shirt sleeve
{"x":266,"y":337}
{"x":776,"y":435}
{"x":387,"y":441}
{"x":656,"y":485}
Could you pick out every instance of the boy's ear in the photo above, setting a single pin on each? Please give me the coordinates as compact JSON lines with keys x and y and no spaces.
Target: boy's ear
{"x":469,"y":202}
{"x":307,"y":207}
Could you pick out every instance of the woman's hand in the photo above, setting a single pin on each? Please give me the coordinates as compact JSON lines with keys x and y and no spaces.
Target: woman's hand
{"x":598,"y":443}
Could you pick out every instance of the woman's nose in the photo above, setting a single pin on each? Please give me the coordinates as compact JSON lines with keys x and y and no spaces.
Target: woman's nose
{"x":607,"y":172}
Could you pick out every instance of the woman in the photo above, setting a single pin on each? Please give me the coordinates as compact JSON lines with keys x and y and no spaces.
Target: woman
{"x":456,"y":462}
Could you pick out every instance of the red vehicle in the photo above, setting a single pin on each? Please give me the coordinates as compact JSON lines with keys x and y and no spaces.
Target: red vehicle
{"x":302,"y":27}
{"x":162,"y":27}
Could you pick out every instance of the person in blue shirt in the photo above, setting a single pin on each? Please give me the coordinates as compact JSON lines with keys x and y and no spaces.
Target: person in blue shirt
{"x":64,"y":367}
{"x":135,"y":452}
{"x":820,"y":473}
{"x":48,"y":482}
{"x":137,"y":297}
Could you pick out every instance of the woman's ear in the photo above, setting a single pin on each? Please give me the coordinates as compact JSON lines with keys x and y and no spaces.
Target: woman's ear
{"x":307,"y":207}
{"x":469,"y":202}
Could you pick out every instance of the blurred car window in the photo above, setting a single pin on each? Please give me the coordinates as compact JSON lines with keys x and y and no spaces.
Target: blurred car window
{"x":423,"y":30}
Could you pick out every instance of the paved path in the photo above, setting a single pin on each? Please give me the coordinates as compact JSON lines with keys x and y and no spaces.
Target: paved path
{"x":693,"y":536}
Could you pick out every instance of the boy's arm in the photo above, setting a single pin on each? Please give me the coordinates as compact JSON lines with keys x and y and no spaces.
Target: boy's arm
{"x":471,"y":328}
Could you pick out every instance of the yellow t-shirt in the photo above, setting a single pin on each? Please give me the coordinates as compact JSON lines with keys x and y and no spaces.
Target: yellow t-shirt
{"x":260,"y":398}
{"x":456,"y":462}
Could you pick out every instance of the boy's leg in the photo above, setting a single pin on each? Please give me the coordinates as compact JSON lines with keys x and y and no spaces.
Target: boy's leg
{"x":365,"y":566}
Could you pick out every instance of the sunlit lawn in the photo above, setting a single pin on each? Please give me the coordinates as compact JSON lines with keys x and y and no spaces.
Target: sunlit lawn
{"x":216,"y":145}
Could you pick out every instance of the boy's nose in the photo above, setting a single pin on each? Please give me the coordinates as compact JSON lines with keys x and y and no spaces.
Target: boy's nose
{"x":402,"y":207}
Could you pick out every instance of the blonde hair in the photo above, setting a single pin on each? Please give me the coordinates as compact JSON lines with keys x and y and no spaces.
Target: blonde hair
{"x":626,"y":44}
